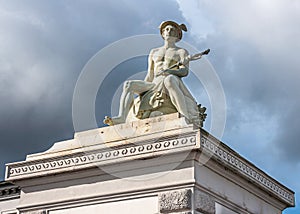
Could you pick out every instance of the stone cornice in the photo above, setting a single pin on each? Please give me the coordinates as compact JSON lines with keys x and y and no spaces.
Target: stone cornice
{"x":29,"y":169}
{"x":232,"y":160}
{"x":8,"y":191}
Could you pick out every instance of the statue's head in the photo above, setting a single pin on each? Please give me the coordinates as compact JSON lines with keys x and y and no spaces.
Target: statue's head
{"x":170,"y":28}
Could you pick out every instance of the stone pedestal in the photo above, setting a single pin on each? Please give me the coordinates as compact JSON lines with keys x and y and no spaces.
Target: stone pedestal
{"x":156,"y":165}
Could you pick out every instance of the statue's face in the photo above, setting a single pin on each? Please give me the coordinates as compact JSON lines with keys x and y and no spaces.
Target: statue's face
{"x":170,"y":33}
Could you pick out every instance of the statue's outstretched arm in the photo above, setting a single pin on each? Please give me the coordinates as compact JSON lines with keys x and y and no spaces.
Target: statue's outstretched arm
{"x":184,"y":64}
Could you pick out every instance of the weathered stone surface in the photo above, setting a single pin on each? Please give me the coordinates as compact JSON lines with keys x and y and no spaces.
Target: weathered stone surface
{"x":204,"y":203}
{"x":178,"y":200}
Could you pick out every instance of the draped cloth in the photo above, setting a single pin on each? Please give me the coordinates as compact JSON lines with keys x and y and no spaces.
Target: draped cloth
{"x":158,"y":99}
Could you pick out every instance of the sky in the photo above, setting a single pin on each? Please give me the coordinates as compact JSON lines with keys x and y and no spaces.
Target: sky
{"x":44,"y":46}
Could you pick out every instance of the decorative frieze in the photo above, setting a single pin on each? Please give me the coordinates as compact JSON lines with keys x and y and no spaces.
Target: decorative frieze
{"x":46,"y":165}
{"x":175,"y":201}
{"x":246,"y":169}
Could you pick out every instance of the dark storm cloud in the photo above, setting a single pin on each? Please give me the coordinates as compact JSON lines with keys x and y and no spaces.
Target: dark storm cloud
{"x":43,"y":47}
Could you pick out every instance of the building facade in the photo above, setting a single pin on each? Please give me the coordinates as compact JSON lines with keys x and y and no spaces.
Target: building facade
{"x":156,"y":165}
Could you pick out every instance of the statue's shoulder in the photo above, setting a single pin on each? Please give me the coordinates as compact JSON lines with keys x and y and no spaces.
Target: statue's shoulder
{"x":182,"y":51}
{"x":154,"y":50}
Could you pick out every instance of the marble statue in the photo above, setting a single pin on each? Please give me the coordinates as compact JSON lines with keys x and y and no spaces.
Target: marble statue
{"x":162,"y":91}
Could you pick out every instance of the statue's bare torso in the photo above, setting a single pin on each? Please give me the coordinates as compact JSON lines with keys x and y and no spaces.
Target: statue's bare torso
{"x":163,"y":58}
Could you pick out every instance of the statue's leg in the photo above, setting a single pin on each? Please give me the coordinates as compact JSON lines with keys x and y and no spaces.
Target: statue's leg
{"x":130,"y":88}
{"x":171,"y":83}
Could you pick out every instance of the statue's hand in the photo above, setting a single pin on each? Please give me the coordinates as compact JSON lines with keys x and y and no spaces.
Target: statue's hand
{"x":181,"y":72}
{"x":108,"y":121}
{"x":161,"y":72}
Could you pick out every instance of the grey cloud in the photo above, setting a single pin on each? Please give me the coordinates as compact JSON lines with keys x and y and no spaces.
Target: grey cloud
{"x":44,"y":46}
{"x":255,"y":52}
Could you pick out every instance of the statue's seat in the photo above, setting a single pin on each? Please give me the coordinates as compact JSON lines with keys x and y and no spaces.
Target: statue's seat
{"x":165,"y":107}
{"x":136,"y":113}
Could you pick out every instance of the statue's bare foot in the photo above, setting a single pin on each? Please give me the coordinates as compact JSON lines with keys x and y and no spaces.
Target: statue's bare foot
{"x":113,"y":121}
{"x":108,"y":121}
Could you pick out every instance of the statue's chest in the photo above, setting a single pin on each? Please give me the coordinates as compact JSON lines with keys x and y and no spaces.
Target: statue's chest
{"x":166,"y":56}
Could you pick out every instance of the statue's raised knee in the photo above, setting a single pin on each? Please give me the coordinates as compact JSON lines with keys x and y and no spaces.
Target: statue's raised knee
{"x":170,"y":81}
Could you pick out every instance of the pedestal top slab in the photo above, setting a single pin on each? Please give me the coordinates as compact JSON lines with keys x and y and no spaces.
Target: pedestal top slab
{"x":134,"y":132}
{"x":137,"y":140}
